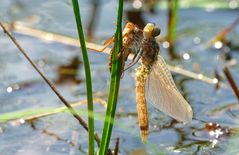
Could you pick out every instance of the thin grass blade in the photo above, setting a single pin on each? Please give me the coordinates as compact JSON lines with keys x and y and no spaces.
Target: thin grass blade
{"x":76,"y":9}
{"x":114,"y":85}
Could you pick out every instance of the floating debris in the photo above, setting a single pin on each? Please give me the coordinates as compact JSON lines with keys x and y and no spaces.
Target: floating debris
{"x":215,"y":130}
{"x":231,"y":81}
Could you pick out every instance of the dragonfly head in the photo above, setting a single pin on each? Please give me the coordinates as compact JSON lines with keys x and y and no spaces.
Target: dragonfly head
{"x":156,"y":31}
{"x":150,"y":30}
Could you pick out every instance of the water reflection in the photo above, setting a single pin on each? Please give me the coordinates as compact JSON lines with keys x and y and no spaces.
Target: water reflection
{"x":197,"y":138}
{"x":196,"y":40}
{"x":186,"y":56}
{"x":93,"y":18}
{"x":13,"y":87}
{"x":137,"y":9}
{"x":69,"y":72}
{"x":215,"y":130}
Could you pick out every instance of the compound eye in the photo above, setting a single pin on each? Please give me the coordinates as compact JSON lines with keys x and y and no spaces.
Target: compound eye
{"x":156,"y":31}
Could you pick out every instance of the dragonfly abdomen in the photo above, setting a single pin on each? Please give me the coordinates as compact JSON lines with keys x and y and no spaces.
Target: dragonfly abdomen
{"x":141,"y":77}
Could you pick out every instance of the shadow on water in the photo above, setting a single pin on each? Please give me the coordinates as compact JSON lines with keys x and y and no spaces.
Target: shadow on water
{"x":68,"y":73}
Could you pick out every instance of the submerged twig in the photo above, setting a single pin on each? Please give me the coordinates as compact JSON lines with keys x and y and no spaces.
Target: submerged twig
{"x":70,"y":108}
{"x":48,"y":36}
{"x":20,"y":28}
{"x":116,"y":150}
{"x":193,"y":75}
{"x":231,"y":81}
{"x":221,"y":35}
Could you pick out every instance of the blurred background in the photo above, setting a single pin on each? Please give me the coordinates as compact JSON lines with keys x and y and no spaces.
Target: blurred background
{"x":198,"y":35}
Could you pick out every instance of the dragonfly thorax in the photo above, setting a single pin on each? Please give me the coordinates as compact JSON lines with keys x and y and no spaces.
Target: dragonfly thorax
{"x":150,"y":51}
{"x":133,"y":40}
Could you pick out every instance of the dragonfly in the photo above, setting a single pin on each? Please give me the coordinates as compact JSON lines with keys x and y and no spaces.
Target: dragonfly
{"x":154,"y":82}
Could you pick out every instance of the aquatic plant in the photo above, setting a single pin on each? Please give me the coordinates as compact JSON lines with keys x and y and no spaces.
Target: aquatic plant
{"x":114,"y":84}
{"x":91,"y":131}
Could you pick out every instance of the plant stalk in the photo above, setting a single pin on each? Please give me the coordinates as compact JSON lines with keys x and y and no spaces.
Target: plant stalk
{"x":76,"y":9}
{"x":114,"y":84}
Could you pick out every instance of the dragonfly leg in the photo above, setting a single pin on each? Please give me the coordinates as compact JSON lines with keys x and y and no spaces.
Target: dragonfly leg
{"x":135,"y":60}
{"x":126,"y":53}
{"x":108,"y":43}
{"x":104,"y":47}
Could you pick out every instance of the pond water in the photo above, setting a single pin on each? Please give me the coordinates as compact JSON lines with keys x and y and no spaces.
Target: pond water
{"x":214,"y":129}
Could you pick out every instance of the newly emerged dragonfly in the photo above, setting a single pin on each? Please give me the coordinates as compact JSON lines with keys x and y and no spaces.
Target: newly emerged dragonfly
{"x":154,"y":82}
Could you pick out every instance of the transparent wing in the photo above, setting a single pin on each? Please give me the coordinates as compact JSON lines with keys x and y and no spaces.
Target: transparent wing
{"x":163,"y":94}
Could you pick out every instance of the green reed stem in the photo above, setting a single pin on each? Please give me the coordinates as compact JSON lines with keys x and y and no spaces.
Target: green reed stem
{"x":173,"y":7}
{"x":172,"y":20}
{"x":114,"y":84}
{"x":87,"y":77}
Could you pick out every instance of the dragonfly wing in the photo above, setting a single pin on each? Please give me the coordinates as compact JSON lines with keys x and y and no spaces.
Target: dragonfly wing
{"x":163,"y":94}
